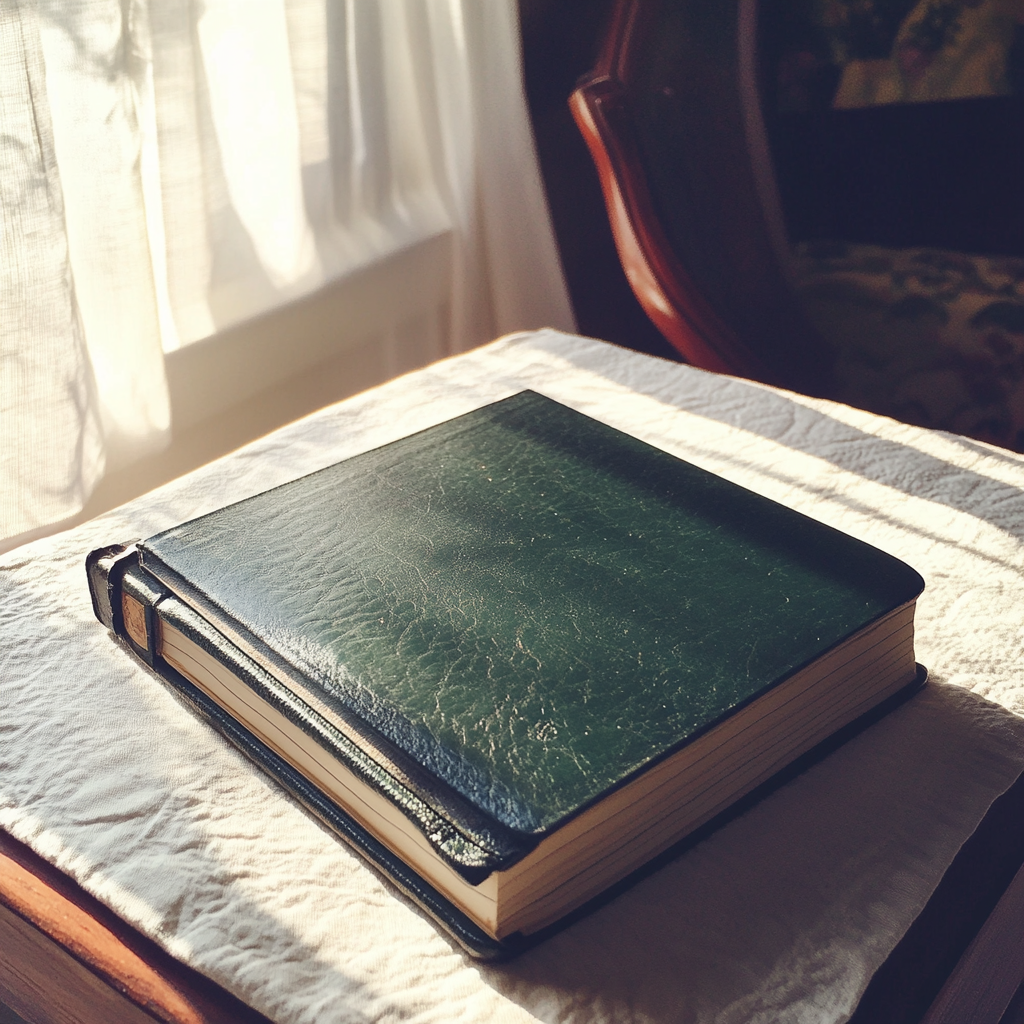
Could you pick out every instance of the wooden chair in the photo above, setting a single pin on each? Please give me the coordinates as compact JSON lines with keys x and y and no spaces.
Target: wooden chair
{"x":671,"y":117}
{"x":778,"y":245}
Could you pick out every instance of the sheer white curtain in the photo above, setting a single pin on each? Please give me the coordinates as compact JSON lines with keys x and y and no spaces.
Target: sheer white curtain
{"x":169,"y":168}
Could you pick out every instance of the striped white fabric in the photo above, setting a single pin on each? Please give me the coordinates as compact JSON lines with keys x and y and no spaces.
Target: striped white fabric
{"x":781,"y":916}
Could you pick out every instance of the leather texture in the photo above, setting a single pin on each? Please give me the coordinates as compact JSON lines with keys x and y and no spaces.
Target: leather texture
{"x":533,"y":605}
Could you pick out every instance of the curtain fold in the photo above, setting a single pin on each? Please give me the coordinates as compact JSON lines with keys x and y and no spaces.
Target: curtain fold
{"x":97,"y":83}
{"x":51,"y":449}
{"x":220,"y":158}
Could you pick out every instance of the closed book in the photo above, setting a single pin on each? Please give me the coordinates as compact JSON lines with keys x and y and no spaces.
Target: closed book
{"x":514,"y":657}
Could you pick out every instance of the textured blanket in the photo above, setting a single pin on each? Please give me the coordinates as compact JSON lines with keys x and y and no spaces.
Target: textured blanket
{"x":781,"y":915}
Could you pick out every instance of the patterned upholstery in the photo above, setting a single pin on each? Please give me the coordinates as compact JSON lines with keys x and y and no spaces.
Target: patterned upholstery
{"x":921,"y":328}
{"x":928,"y":336}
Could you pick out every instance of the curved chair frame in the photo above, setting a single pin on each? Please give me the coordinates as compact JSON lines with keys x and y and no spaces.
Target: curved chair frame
{"x":754,"y":239}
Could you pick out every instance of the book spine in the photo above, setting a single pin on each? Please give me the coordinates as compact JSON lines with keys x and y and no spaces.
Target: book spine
{"x":105,"y":568}
{"x":125,"y":600}
{"x":135,"y":605}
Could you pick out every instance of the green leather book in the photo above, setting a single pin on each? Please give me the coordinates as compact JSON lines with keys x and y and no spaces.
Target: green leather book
{"x":521,"y":652}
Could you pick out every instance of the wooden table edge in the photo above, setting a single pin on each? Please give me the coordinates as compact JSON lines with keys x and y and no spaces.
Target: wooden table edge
{"x":941,"y":965}
{"x":77,"y":929}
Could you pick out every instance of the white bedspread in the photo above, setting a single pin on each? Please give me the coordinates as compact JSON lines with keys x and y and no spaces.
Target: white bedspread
{"x":783,"y":915}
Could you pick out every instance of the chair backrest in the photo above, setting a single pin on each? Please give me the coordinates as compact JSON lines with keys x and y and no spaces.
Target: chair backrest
{"x":672,"y":117}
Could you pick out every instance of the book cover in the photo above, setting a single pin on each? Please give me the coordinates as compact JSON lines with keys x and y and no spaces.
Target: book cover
{"x":511,"y":615}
